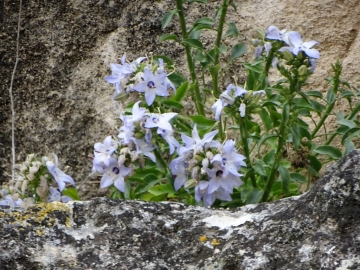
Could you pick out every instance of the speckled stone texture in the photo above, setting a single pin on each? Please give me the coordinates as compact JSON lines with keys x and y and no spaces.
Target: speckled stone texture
{"x":318,"y":230}
{"x":63,"y":105}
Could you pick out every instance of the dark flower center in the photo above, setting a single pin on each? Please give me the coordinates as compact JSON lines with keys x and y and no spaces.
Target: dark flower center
{"x":151,"y":84}
{"x":219,"y":173}
{"x":116,"y":170}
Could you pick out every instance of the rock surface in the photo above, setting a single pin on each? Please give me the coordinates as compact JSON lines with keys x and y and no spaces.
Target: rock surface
{"x":62,"y":102}
{"x":318,"y":230}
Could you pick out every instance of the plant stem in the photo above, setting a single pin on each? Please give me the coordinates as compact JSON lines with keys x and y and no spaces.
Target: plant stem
{"x":337,"y":70}
{"x":197,"y":95}
{"x":272,"y":177}
{"x":215,"y":76}
{"x":244,"y":135}
{"x":12,"y":99}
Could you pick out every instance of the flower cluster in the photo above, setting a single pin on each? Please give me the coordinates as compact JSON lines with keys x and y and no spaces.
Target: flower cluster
{"x":141,"y":134}
{"x":140,"y":76}
{"x":34,"y":181}
{"x":212,"y":167}
{"x":291,"y":41}
{"x":233,"y":94}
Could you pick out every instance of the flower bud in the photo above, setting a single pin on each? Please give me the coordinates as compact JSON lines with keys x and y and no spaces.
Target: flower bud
{"x":209,"y":155}
{"x":15,"y":196}
{"x":248,"y":95}
{"x":190,"y":184}
{"x":242,"y":109}
{"x":303,"y":70}
{"x":198,"y":158}
{"x":260,"y":33}
{"x":288,"y":55}
{"x":139,"y":135}
{"x":195,"y":172}
{"x":121,"y":160}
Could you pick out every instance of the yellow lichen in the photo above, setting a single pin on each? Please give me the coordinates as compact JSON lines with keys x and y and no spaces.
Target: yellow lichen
{"x":215,"y":242}
{"x":203,"y":238}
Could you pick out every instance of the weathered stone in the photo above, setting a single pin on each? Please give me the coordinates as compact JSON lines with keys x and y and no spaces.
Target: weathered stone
{"x":62,"y":103}
{"x":318,"y":230}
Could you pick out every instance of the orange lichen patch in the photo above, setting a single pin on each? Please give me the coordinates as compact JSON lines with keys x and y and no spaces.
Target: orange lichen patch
{"x":203,"y":238}
{"x":215,"y":242}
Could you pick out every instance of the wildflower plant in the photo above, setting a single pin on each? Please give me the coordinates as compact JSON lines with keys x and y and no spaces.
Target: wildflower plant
{"x":247,"y":143}
{"x":38,"y":180}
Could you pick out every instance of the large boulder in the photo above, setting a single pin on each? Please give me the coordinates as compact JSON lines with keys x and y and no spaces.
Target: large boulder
{"x":62,"y":103}
{"x":318,"y":230}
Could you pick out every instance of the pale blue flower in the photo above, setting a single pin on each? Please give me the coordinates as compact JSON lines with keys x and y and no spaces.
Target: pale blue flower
{"x":9,"y":201}
{"x":103,"y":151}
{"x":274,"y":33}
{"x":55,"y":196}
{"x":142,"y":147}
{"x":59,"y":176}
{"x":169,"y":138}
{"x":202,"y":192}
{"x":222,"y":178}
{"x":161,"y":70}
{"x":152,"y":85}
{"x":114,"y":174}
{"x":195,"y":143}
{"x":160,"y":121}
{"x":293,"y":39}
{"x":312,"y":64}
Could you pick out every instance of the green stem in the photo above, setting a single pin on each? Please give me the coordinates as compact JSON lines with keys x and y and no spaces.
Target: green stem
{"x":244,"y":135}
{"x":197,"y":94}
{"x":162,"y":161}
{"x":215,"y":76}
{"x":337,"y":70}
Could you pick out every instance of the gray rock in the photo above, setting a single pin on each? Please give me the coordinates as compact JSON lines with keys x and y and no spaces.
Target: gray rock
{"x":318,"y":230}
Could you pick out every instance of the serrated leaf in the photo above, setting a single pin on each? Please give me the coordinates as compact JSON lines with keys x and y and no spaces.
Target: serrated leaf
{"x":193,"y":43}
{"x":238,"y":50}
{"x":168,"y":37}
{"x":167,"y":18}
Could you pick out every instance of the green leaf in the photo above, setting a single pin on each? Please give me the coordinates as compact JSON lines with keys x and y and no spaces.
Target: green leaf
{"x":127,"y":190}
{"x":314,"y":93}
{"x":266,"y":119}
{"x":149,"y":185}
{"x":181,"y":92}
{"x":201,"y":27}
{"x":223,"y":49}
{"x":346,"y":94}
{"x":214,"y":69}
{"x":314,"y":163}
{"x":166,"y":59}
{"x":72,"y":193}
{"x":162,"y":189}
{"x":260,"y":167}
{"x":202,"y":122}
{"x":330,"y":97}
{"x":269,"y":158}
{"x":285,"y":179}
{"x":238,"y":50}
{"x":348,"y":123}
{"x":285,"y":114}
{"x":176,"y":79}
{"x":295,"y":137}
{"x":232,"y":31}
{"x":263,"y":139}
{"x":254,"y":196}
{"x":349,"y":147}
{"x":205,"y":20}
{"x":297,"y":177}
{"x":168,"y":37}
{"x":160,"y":198}
{"x":167,"y":18}
{"x":255,"y":67}
{"x":351,"y":133}
{"x":193,"y":43}
{"x":172,"y":104}
{"x":196,"y":1}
